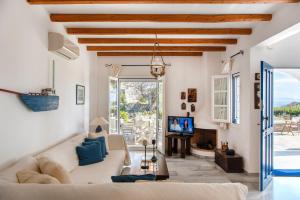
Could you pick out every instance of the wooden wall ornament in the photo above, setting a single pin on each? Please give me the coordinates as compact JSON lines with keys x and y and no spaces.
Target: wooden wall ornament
{"x":37,"y":102}
{"x":193,"y":108}
{"x":192,"y":95}
{"x":257,"y":76}
{"x":257,"y":95}
{"x":183,"y":106}
{"x":183,"y":95}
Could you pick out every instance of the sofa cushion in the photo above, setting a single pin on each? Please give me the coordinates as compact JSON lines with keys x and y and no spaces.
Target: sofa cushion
{"x":54,"y":169}
{"x":29,"y":176}
{"x":89,"y":153}
{"x":100,"y":172}
{"x":101,"y":140}
{"x":102,"y":133}
{"x":101,"y":146}
{"x":65,"y":153}
{"x":10,"y":174}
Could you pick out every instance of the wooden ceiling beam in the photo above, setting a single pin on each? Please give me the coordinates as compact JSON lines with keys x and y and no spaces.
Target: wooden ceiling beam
{"x":162,"y":31}
{"x":160,"y":48}
{"x":149,"y":53}
{"x":188,"y":18}
{"x":160,"y":1}
{"x":160,"y":41}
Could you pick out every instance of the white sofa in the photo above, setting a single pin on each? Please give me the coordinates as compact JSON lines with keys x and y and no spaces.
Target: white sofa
{"x":65,"y":154}
{"x":93,"y":182}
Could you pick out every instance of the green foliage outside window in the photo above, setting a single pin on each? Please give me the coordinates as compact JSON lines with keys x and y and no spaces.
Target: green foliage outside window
{"x":293,"y":110}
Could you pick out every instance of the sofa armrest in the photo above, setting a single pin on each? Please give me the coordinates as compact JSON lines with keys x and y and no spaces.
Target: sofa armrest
{"x":117,"y":142}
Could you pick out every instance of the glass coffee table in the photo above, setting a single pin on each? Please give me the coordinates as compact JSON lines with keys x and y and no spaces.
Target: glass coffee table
{"x":159,"y":169}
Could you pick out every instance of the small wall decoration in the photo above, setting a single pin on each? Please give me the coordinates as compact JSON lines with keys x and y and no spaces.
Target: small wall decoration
{"x":183,"y":106}
{"x":193,"y":108}
{"x":80,"y":95}
{"x":257,"y":95}
{"x":257,"y":76}
{"x":183,"y":95}
{"x":192,"y":95}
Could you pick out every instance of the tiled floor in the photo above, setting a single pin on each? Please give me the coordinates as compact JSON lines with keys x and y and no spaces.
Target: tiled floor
{"x":203,"y":170}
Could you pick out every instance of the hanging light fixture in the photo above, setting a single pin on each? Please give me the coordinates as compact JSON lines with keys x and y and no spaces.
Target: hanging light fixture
{"x":158,"y":65}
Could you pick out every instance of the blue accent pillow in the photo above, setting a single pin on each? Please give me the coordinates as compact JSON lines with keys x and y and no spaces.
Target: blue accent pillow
{"x":101,"y":148}
{"x":133,"y":178}
{"x":102,"y":142}
{"x":89,"y":154}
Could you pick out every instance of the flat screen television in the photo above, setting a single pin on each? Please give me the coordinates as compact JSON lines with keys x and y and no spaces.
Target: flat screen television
{"x":182,"y":125}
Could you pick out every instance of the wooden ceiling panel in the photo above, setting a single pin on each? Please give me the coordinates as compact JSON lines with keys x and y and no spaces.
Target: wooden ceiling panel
{"x":159,"y":31}
{"x":152,"y":41}
{"x":149,"y":53}
{"x":189,"y":18}
{"x":159,"y":1}
{"x":160,"y":48}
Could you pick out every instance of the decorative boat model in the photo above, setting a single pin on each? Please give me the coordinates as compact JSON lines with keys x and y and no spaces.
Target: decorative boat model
{"x":38,"y":102}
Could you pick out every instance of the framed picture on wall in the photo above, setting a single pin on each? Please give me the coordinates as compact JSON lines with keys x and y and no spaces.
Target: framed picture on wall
{"x":80,"y":95}
{"x":192,"y":95}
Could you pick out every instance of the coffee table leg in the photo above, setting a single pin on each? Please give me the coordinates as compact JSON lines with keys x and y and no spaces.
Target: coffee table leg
{"x":182,"y":148}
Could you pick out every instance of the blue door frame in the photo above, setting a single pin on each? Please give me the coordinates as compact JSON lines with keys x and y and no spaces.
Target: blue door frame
{"x":266,"y":136}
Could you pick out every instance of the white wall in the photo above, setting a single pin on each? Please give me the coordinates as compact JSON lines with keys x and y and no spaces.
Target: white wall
{"x":185,"y":72}
{"x":245,"y":138}
{"x":25,"y":67}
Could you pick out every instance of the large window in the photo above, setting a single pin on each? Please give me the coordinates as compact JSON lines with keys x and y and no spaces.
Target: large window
{"x":236,"y":98}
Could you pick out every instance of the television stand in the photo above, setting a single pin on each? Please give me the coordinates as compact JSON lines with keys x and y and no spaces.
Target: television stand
{"x":185,"y":144}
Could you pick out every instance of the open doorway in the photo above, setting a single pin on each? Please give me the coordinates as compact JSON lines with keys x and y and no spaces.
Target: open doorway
{"x":136,"y":110}
{"x":286,"y":156}
{"x":277,"y":111}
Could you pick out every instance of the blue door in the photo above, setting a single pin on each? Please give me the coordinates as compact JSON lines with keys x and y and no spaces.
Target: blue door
{"x":266,"y":151}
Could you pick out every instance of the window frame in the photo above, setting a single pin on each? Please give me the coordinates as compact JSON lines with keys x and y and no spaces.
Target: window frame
{"x":236,"y":117}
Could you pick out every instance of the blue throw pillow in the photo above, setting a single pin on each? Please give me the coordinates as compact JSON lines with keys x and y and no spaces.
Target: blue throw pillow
{"x":89,"y":154}
{"x":102,"y":150}
{"x":133,"y":178}
{"x":102,"y":142}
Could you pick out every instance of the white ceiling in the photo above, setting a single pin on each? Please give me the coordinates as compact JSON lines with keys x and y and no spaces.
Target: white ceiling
{"x":285,"y":53}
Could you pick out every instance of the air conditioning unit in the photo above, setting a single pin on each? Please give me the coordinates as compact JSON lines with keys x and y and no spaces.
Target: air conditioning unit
{"x":60,"y":45}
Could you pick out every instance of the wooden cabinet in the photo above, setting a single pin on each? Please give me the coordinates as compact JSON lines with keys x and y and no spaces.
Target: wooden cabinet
{"x":230,"y":164}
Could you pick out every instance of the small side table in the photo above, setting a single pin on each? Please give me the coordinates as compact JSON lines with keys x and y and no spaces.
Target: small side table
{"x":185,"y":144}
{"x":230,"y":164}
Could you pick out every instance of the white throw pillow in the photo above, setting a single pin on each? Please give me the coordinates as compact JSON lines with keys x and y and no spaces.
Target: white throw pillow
{"x":29,"y":176}
{"x":54,"y":169}
{"x":101,"y":134}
